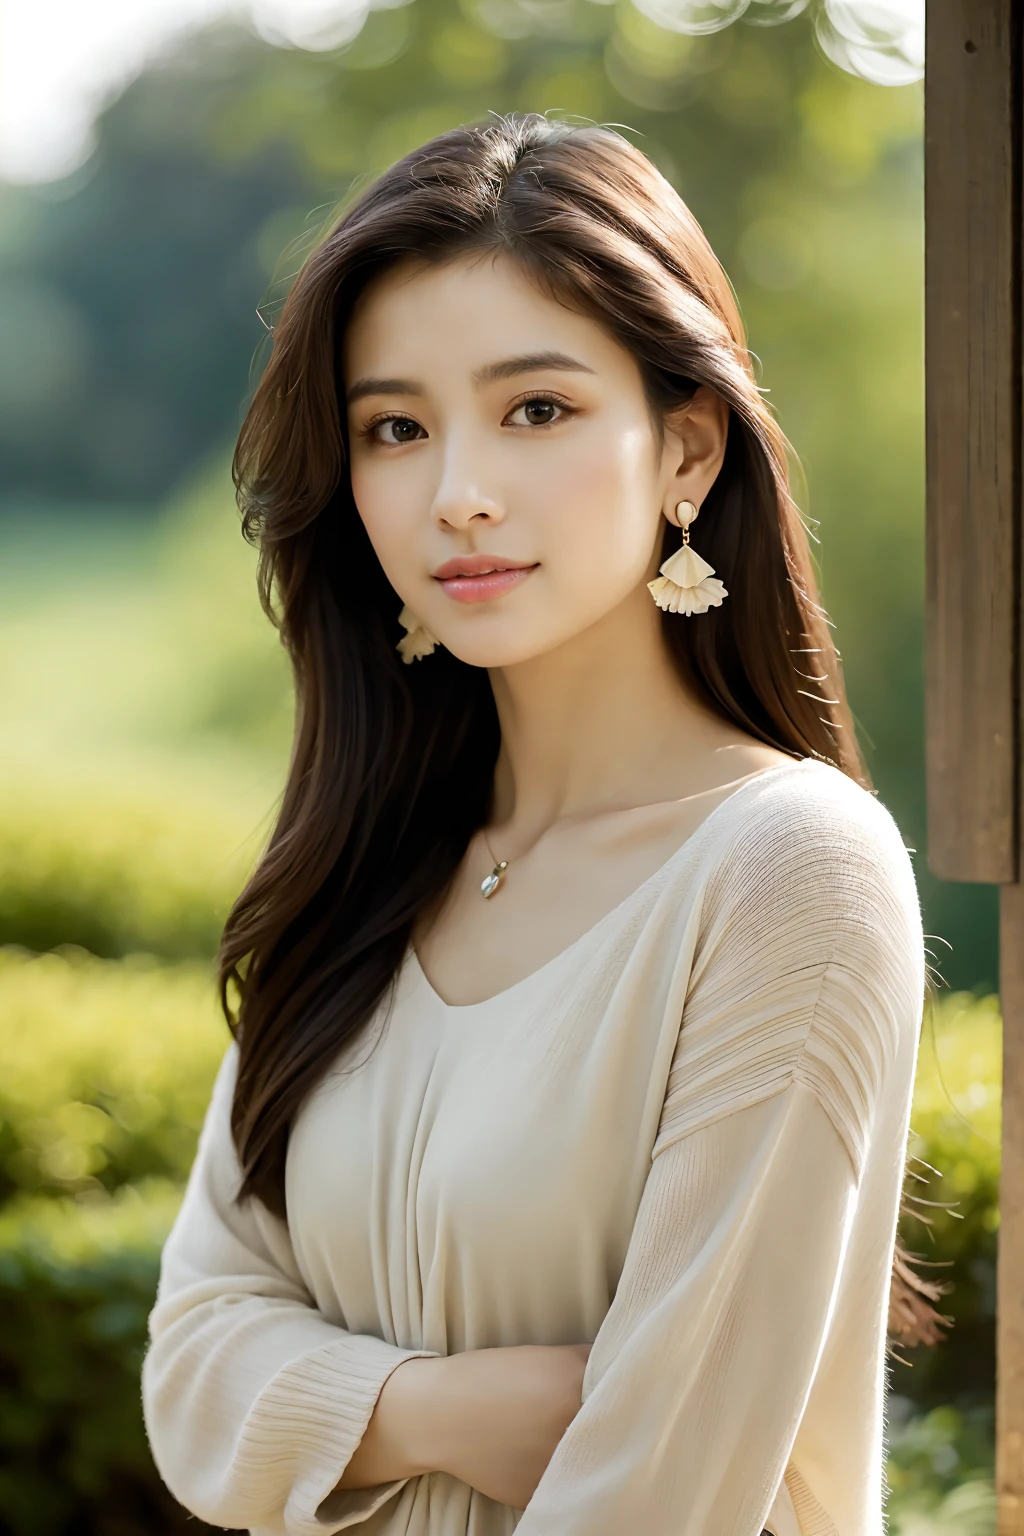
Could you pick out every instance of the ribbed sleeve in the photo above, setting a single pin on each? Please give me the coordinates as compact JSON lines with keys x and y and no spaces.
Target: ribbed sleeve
{"x":806,"y":987}
{"x":254,"y":1402}
{"x":809,"y":965}
{"x":699,"y":1375}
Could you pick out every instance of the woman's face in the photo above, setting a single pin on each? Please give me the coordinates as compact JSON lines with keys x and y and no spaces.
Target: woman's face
{"x":492,"y":428}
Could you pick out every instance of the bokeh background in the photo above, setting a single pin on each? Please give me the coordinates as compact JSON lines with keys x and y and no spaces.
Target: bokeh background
{"x":165,"y":166}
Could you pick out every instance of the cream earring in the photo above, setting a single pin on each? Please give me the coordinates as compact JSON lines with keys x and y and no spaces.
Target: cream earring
{"x":419,"y":642}
{"x":687,"y":583}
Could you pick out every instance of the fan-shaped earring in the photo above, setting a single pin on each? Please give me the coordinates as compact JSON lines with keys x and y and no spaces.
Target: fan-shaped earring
{"x":687,"y":584}
{"x":419,"y":642}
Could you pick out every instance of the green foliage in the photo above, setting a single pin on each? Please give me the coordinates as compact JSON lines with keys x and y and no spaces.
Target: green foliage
{"x":128,"y":301}
{"x":113,"y":872}
{"x":940,"y":1473}
{"x":105,"y":1069}
{"x":105,"y":1072}
{"x":955,"y":1131}
{"x":76,"y":1285}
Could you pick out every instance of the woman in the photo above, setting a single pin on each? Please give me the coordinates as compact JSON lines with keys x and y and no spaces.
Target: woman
{"x":551,"y":1180}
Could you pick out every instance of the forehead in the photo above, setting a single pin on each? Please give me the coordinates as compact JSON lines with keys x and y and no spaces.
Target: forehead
{"x":461,"y":315}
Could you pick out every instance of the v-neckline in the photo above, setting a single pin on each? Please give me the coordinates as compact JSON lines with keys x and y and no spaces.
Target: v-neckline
{"x":620,"y":907}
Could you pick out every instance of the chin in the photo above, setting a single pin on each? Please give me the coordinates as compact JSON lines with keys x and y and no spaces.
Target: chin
{"x":497,"y":651}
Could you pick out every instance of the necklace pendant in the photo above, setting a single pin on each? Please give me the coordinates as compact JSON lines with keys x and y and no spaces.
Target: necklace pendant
{"x":489,"y":885}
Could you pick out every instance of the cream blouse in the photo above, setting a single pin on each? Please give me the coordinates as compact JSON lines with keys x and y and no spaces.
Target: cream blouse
{"x":713,"y":1205}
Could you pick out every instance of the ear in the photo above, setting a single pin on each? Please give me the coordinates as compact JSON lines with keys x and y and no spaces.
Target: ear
{"x":695,"y":438}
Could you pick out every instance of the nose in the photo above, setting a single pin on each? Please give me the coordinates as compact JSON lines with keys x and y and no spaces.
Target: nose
{"x":462,"y":499}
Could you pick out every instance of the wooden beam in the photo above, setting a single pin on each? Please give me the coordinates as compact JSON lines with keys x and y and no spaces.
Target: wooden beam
{"x":972,"y":266}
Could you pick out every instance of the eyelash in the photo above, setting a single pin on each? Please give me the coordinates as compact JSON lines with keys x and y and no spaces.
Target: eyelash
{"x":548,"y":397}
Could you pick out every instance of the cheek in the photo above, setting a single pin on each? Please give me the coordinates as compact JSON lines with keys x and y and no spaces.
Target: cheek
{"x":388,"y":504}
{"x":603,"y":510}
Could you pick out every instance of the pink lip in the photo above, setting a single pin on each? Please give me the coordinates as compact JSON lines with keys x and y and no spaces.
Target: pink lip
{"x":476,"y":578}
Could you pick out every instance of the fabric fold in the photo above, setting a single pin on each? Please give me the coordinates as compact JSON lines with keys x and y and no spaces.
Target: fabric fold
{"x":254,"y":1402}
{"x":698,"y":1378}
{"x":681,"y":1140}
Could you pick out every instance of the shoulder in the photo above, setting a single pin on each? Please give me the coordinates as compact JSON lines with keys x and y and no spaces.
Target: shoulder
{"x":801,"y":802}
{"x":810,"y":851}
{"x":813,"y":820}
{"x":809,"y":959}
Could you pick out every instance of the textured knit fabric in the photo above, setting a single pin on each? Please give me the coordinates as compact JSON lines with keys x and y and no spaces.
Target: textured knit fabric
{"x":682,"y":1139}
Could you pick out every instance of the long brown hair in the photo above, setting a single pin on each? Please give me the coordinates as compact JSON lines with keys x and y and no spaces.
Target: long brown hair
{"x":392,"y":765}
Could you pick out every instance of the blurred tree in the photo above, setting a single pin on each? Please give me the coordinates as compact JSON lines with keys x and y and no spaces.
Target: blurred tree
{"x":129,"y":292}
{"x":130,"y":288}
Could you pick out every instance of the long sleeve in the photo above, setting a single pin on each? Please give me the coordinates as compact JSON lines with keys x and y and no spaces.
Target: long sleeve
{"x":254,"y":1402}
{"x":806,"y":990}
{"x":697,"y":1378}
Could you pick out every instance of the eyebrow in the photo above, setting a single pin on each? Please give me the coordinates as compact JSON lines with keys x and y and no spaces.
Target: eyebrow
{"x":508,"y":368}
{"x":530,"y":362}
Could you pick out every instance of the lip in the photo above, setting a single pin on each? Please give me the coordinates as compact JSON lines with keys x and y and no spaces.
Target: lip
{"x":477,"y":565}
{"x":477,"y":578}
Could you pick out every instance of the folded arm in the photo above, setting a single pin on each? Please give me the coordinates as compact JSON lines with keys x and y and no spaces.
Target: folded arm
{"x":254,"y":1402}
{"x":698,"y":1377}
{"x":805,"y":990}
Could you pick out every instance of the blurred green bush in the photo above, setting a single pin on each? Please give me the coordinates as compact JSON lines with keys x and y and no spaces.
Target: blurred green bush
{"x":105,"y":1069}
{"x":76,"y":1284}
{"x":940,"y":1472}
{"x":105,"y":1072}
{"x":956,"y":1127}
{"x":114,"y":873}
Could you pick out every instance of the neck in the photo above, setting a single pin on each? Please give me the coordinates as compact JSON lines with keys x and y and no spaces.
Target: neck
{"x":601,"y":722}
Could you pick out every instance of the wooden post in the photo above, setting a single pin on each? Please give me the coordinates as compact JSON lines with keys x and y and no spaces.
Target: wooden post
{"x":972,"y":248}
{"x":974,"y":366}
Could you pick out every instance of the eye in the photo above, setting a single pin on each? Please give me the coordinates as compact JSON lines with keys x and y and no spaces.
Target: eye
{"x":393,"y":430}
{"x":538,"y":411}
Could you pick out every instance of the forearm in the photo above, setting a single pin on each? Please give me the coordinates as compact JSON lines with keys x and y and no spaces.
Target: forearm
{"x":490,"y":1417}
{"x":400,"y":1439}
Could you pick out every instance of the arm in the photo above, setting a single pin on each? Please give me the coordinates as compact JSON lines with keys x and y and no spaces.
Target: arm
{"x":490,"y":1417}
{"x":261,"y":1412}
{"x":699,"y":1374}
{"x":807,"y":981}
{"x":253,"y":1401}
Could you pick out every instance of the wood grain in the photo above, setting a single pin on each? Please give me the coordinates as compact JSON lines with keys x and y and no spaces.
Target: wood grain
{"x":974,"y":78}
{"x":972,"y":266}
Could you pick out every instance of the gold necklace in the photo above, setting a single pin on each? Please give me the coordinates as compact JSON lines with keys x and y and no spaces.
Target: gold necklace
{"x":490,"y":884}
